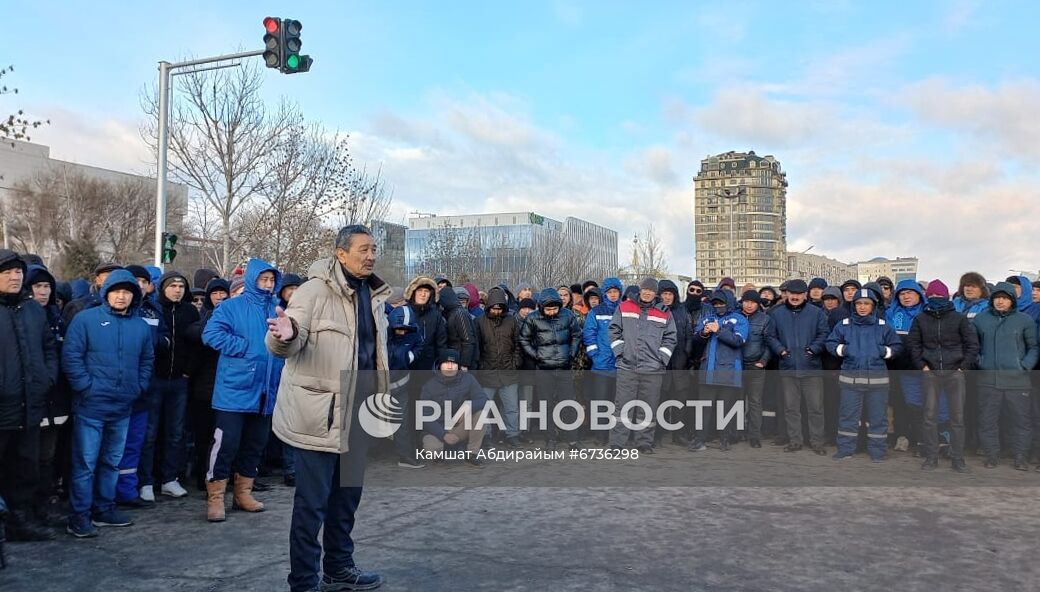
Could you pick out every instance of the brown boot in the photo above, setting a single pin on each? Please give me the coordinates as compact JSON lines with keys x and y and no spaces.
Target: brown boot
{"x":243,"y":499}
{"x":215,"y":500}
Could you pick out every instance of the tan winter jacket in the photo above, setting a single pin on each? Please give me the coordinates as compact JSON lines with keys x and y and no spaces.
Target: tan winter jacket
{"x":314,"y":403}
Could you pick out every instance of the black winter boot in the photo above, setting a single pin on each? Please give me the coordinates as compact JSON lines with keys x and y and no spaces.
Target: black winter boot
{"x":21,"y":527}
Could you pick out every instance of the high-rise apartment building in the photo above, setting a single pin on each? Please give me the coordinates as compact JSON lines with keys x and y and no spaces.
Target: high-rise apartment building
{"x":740,"y":219}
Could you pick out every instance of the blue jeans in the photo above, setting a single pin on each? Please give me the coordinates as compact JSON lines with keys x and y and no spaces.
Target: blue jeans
{"x":509,"y":405}
{"x":169,"y":404}
{"x":97,"y":448}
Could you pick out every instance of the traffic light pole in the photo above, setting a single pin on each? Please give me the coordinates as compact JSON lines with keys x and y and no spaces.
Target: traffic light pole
{"x":165,"y":68}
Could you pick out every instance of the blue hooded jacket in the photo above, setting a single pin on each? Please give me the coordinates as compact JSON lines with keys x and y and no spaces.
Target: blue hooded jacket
{"x":595,"y":335}
{"x":864,"y":343}
{"x":901,"y":317}
{"x":402,"y":349}
{"x":108,"y":357}
{"x":247,"y":373}
{"x":724,"y":354}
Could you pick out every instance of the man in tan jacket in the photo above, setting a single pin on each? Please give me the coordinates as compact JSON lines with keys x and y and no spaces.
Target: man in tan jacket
{"x":333,"y":339}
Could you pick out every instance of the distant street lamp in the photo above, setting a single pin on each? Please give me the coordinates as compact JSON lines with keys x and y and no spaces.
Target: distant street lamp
{"x":732,"y":194}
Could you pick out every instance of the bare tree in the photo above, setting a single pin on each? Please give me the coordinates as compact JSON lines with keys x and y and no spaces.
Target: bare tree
{"x":648,"y":254}
{"x":16,"y":126}
{"x":220,"y":135}
{"x":452,"y":251}
{"x":353,"y":195}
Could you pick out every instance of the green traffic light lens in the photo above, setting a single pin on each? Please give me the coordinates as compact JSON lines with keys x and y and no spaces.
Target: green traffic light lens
{"x":293,"y":62}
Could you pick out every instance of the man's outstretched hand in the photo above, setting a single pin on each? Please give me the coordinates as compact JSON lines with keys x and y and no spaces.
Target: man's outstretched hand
{"x":281,"y":325}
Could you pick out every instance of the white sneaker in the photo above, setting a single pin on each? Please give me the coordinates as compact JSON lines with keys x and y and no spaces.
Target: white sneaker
{"x":148,"y":494}
{"x":173,"y":489}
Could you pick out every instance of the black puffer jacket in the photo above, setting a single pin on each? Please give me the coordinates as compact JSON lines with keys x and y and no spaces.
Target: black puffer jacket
{"x":176,"y":361}
{"x":943,"y":339}
{"x":551,"y":342}
{"x":432,"y":327}
{"x":58,"y":402}
{"x":680,"y":359}
{"x":760,"y":325}
{"x":28,"y":357}
{"x":499,"y":349}
{"x":204,"y":363}
{"x":462,"y":336}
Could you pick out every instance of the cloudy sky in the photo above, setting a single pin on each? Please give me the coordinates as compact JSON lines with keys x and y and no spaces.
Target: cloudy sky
{"x":906,"y":128}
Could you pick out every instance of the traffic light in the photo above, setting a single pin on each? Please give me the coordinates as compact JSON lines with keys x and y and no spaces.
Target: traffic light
{"x":169,"y":253}
{"x":273,"y":43}
{"x":282,"y":46}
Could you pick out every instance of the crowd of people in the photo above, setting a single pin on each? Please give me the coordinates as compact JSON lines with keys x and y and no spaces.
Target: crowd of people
{"x":131,"y":384}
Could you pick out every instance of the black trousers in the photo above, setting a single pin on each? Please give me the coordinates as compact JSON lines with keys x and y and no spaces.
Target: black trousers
{"x":19,"y":466}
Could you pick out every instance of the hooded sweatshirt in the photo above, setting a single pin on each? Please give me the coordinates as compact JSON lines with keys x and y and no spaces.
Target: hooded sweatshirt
{"x":901,"y":318}
{"x":499,"y":350}
{"x":175,"y":361}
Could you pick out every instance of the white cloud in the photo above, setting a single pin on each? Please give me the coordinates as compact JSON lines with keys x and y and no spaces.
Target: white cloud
{"x":1005,"y":117}
{"x":106,"y":142}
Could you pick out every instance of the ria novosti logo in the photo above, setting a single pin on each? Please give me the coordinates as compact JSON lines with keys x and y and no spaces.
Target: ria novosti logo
{"x":381,"y":415}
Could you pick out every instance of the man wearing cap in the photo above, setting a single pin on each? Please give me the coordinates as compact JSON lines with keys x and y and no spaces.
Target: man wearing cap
{"x":798,"y":339}
{"x":108,"y":358}
{"x":723,"y":333}
{"x":886,"y":290}
{"x":728,"y":284}
{"x":29,"y":370}
{"x":93,"y":298}
{"x":334,"y":339}
{"x":864,"y":341}
{"x":1007,"y":351}
{"x":643,"y":338}
{"x":756,"y":358}
{"x":943,"y":344}
{"x":457,"y":395}
{"x":596,"y":336}
{"x":551,"y":337}
{"x":816,"y":288}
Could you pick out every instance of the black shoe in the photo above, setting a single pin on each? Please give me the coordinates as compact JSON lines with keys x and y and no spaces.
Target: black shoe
{"x":21,"y":527}
{"x":930,"y":464}
{"x":525,"y":440}
{"x":137,"y":504}
{"x":351,"y":578}
{"x":819,"y":451}
{"x":679,"y":440}
{"x":755,"y":443}
{"x":958,"y":465}
{"x":792,"y":448}
{"x":991,"y":462}
{"x":472,"y":462}
{"x":550,"y":445}
{"x":512,"y":442}
{"x":574,"y":446}
{"x":724,"y":445}
{"x":781,"y":442}
{"x":1020,"y":463}
{"x":644,"y":449}
{"x":404,"y":463}
{"x":260,"y":485}
{"x":289,"y":479}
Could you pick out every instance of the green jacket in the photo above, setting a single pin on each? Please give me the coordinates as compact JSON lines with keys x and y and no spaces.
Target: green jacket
{"x":1007,"y":348}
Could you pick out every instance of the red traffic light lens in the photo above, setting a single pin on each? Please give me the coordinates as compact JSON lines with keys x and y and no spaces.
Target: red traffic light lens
{"x":271,"y":24}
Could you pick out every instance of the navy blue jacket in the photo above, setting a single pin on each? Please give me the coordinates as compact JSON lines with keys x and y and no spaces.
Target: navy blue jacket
{"x":108,"y":357}
{"x":457,"y":390}
{"x":801,"y":334}
{"x":402,"y":350}
{"x":1007,"y":346}
{"x":247,"y":373}
{"x":723,"y":357}
{"x":864,"y":343}
{"x":760,"y":326}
